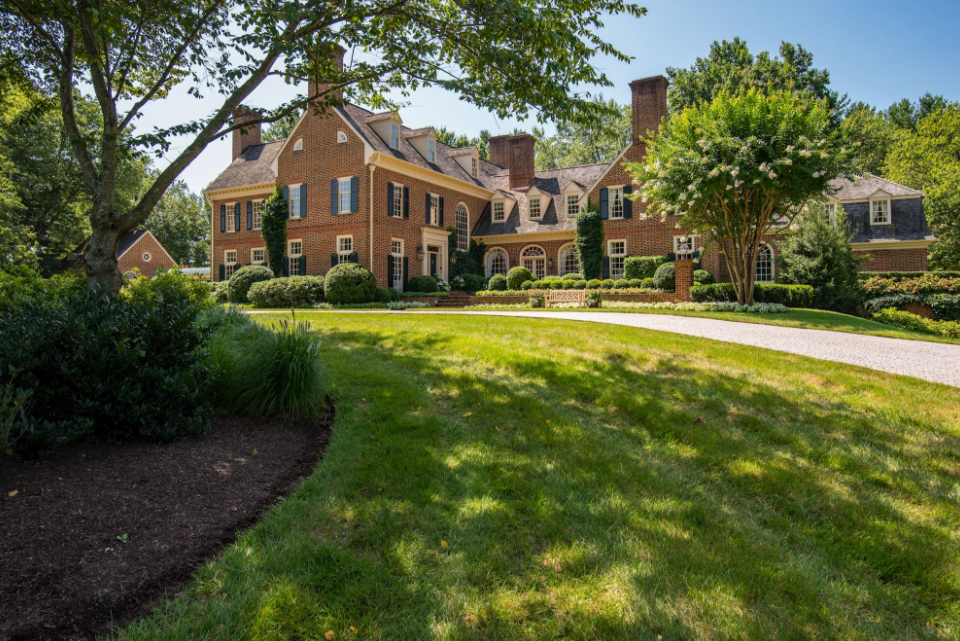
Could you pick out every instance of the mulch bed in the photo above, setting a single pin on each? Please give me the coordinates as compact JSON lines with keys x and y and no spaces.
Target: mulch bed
{"x":64,"y":574}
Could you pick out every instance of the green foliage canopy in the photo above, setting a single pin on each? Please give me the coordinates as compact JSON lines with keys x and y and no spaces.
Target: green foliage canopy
{"x":577,"y":143}
{"x":181,"y":222}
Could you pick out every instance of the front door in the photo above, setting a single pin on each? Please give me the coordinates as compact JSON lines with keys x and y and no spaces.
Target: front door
{"x":434,"y":253}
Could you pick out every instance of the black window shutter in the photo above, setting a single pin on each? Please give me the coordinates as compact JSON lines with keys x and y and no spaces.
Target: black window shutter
{"x":223,"y":273}
{"x":389,"y":199}
{"x":236,"y":217}
{"x":405,"y":273}
{"x":303,"y":200}
{"x":303,"y":266}
{"x":286,"y":198}
{"x":406,"y":202}
{"x":355,"y":194}
{"x":427,"y":210}
{"x":249,"y":214}
{"x":606,"y":268}
{"x":627,"y":203}
{"x":334,"y":195}
{"x":441,"y":210}
{"x":389,"y":270}
{"x":334,"y":260}
{"x":604,"y":212}
{"x":223,"y":219}
{"x":286,"y":266}
{"x":353,"y":258}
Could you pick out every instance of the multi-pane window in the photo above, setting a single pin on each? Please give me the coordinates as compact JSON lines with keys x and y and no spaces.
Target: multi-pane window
{"x":346,"y":196}
{"x":341,"y":137}
{"x":396,"y":259}
{"x":535,"y":211}
{"x":573,"y":205}
{"x":880,"y":212}
{"x":434,"y":217}
{"x":499,"y":212}
{"x":617,"y":251}
{"x":397,"y":201}
{"x":615,"y":194}
{"x":684,"y":245}
{"x":257,"y":256}
{"x":257,"y":213}
{"x":535,"y":259}
{"x":231,"y":218}
{"x":463,"y":234}
{"x":568,"y":260}
{"x":394,"y":136}
{"x":497,"y":262}
{"x":295,"y":248}
{"x":344,"y":245}
{"x":431,"y":150}
{"x":474,"y":167}
{"x":294,"y":192}
{"x":764,"y":267}
{"x":230,"y":263}
{"x":831,"y":210}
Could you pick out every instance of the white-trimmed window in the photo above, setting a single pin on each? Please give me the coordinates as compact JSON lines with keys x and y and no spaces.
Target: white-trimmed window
{"x":617,"y":252}
{"x":497,"y":262}
{"x":344,"y":247}
{"x":573,"y":204}
{"x":615,"y":202}
{"x":257,"y":256}
{"x":765,"y":264}
{"x":684,"y":245}
{"x":294,"y":192}
{"x":433,"y":217}
{"x":341,"y":137}
{"x":229,"y":263}
{"x":394,"y":136}
{"x":147,"y":257}
{"x":346,"y":195}
{"x":397,"y":201}
{"x":569,"y":264}
{"x":536,"y":213}
{"x":298,"y":146}
{"x":431,"y":150}
{"x":474,"y":167}
{"x":396,"y":260}
{"x":231,"y":217}
{"x":463,"y":231}
{"x":880,"y":211}
{"x":499,"y":211}
{"x":257,"y":208}
{"x":534,"y":259}
{"x":295,"y":248}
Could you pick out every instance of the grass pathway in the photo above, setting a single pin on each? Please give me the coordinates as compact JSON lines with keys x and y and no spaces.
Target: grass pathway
{"x":499,"y":478}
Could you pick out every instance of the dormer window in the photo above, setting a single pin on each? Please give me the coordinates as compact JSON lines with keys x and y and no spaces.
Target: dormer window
{"x":474,"y":165}
{"x":499,"y":211}
{"x":535,"y":212}
{"x":431,"y":151}
{"x":880,"y":211}
{"x":394,"y":136}
{"x":573,"y":204}
{"x":298,"y":146}
{"x":341,"y":137}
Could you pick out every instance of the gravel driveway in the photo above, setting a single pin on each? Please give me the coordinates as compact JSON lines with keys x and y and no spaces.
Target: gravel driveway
{"x":936,"y":362}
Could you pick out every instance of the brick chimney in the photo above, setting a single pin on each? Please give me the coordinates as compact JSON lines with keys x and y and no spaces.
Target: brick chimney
{"x":649,"y":105}
{"x":249,"y":133}
{"x":314,"y":87}
{"x":515,"y":152}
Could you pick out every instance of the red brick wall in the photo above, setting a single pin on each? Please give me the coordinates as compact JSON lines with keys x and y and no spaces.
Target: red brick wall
{"x":895,"y":260}
{"x":134,"y":258}
{"x":242,"y":240}
{"x":552,"y":247}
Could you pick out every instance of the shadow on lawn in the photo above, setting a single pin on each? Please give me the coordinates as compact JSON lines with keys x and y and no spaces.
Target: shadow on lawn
{"x":622,"y":494}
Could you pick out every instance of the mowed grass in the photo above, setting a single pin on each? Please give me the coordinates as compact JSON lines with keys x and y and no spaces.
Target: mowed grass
{"x":500,"y":478}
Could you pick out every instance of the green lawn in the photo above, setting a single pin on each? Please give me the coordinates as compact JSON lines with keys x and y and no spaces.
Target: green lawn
{"x":494,"y":478}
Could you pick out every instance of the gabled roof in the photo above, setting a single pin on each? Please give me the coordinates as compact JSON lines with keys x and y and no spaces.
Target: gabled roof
{"x":253,"y":167}
{"x":865,"y":186}
{"x":126,"y":242}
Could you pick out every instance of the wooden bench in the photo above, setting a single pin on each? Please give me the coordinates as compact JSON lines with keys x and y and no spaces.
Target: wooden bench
{"x":578,"y":296}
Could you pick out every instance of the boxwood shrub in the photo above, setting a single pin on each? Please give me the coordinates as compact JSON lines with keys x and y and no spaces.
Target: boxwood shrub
{"x":382,"y":295}
{"x":621,"y":283}
{"x":292,"y":291}
{"x":498,"y":283}
{"x":572,"y":276}
{"x":703,"y":277}
{"x":665,"y":277}
{"x":593,"y":283}
{"x":239,"y":284}
{"x":642,"y":266}
{"x":423,"y":284}
{"x":789,"y":295}
{"x":517,"y":276}
{"x":349,"y":283}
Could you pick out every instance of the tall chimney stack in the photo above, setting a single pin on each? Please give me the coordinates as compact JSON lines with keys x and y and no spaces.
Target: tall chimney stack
{"x":649,"y":105}
{"x":516,"y":153}
{"x":314,"y":87}
{"x":249,"y":132}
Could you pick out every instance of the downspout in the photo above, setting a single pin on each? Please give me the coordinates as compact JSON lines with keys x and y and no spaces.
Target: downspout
{"x":211,"y":237}
{"x":372,"y":169}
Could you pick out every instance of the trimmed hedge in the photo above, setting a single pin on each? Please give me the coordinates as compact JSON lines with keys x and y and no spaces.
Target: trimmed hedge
{"x":903,"y":275}
{"x":906,"y":320}
{"x":517,"y":276}
{"x":703,"y":277}
{"x":349,"y":283}
{"x":665,"y":277}
{"x":789,"y":295}
{"x":642,"y":266}
{"x":239,"y":284}
{"x":945,"y":306}
{"x":424,"y":284}
{"x":498,"y":283}
{"x":928,"y":283}
{"x":292,"y":291}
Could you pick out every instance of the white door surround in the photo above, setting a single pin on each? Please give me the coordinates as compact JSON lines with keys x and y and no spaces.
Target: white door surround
{"x":439,"y":239}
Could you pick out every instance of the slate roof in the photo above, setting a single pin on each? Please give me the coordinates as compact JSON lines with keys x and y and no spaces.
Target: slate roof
{"x":74,"y":260}
{"x":550,"y":181}
{"x":862,"y":187}
{"x":252,"y":167}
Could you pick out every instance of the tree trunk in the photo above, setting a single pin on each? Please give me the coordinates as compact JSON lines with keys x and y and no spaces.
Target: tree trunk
{"x":101,"y":261}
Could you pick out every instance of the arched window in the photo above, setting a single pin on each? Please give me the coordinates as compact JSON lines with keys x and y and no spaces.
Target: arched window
{"x":497,"y":262}
{"x":568,"y":260}
{"x":463,"y":234}
{"x":534,"y":259}
{"x":764,"y":267}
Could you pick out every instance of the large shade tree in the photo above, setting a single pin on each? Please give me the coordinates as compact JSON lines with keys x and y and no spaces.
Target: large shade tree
{"x":131,"y":53}
{"x":577,"y":143}
{"x":736,"y":168}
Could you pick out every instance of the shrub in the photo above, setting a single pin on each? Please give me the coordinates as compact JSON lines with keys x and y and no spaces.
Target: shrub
{"x":593,"y":283}
{"x":382,"y":295}
{"x":239,"y":284}
{"x":172,"y":282}
{"x":219,"y":291}
{"x":569,"y":284}
{"x":594,"y":298}
{"x":665,"y":277}
{"x":498,"y":283}
{"x":589,"y":243}
{"x":945,"y":306}
{"x":292,"y":291}
{"x":20,"y":285}
{"x":551,"y":277}
{"x":642,"y":266}
{"x":756,"y":308}
{"x":647,"y":283}
{"x":424,"y":284}
{"x":394,"y":294}
{"x":349,"y":283}
{"x":528,"y":285}
{"x":114,"y":368}
{"x":517,"y":276}
{"x":606,"y":283}
{"x":572,"y":276}
{"x":537,"y":300}
{"x":260,"y":371}
{"x":273,"y":228}
{"x":580,"y":284}
{"x":907,"y":275}
{"x":472,"y":282}
{"x":928,"y":283}
{"x":906,"y":320}
{"x":442,"y":285}
{"x":637,"y":282}
{"x":703,"y":277}
{"x":621,"y":283}
{"x":412,"y":304}
{"x":789,"y":295}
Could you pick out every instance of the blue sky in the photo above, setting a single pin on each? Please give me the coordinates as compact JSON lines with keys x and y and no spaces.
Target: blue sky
{"x":877,"y":52}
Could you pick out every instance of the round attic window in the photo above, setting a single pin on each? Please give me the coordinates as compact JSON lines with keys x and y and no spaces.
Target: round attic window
{"x":146,"y":257}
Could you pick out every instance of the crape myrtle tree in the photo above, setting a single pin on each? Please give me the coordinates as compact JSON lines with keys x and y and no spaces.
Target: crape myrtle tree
{"x":738,"y":166}
{"x":132,"y":53}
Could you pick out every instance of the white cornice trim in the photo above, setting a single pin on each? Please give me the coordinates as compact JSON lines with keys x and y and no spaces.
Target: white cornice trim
{"x":527,"y":238}
{"x":237,"y":192}
{"x":427,"y":175}
{"x":892,"y":244}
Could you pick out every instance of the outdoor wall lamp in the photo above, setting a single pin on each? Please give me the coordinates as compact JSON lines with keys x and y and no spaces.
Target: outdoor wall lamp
{"x":550,"y":262}
{"x":420,"y":252}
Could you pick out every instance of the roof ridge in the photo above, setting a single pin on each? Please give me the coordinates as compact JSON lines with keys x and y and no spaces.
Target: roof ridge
{"x":891,"y":182}
{"x":592,"y":164}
